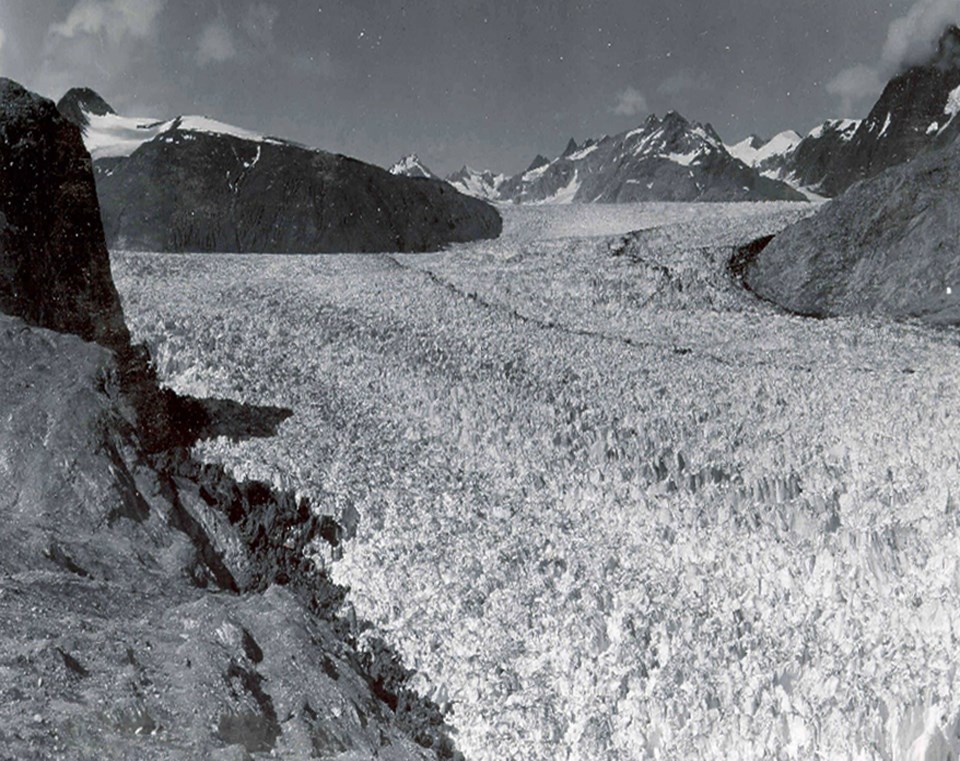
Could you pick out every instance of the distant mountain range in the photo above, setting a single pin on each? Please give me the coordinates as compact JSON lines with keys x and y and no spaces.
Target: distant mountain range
{"x":668,"y":159}
{"x":195,"y":184}
{"x":485,"y":185}
{"x":672,"y":159}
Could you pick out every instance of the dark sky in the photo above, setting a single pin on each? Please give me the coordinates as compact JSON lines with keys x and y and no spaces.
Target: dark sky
{"x":483,"y":82}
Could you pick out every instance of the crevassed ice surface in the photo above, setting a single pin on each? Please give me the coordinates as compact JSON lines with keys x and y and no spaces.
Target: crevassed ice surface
{"x":611,"y":507}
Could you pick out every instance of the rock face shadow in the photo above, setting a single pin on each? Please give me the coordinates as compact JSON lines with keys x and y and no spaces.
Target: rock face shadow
{"x":239,"y":421}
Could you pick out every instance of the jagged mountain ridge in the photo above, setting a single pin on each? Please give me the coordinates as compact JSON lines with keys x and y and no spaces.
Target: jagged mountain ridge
{"x":411,"y":166}
{"x":916,"y":111}
{"x":193,"y":183}
{"x":767,"y":156}
{"x":476,"y":183}
{"x":668,"y":159}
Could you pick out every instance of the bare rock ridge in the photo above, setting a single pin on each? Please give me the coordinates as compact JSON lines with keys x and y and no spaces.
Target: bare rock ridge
{"x":885,"y":247}
{"x":916,"y":110}
{"x":152,"y":607}
{"x":193,"y":184}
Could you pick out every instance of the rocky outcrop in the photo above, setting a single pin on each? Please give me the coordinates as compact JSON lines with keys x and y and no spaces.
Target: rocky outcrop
{"x":152,"y":607}
{"x":54,"y":266}
{"x":79,"y":103}
{"x":886,"y":247}
{"x":668,"y":159}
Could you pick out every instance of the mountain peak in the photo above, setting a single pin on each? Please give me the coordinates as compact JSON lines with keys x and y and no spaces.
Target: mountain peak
{"x":79,"y":102}
{"x":411,"y":166}
{"x":572,"y":147}
{"x":538,"y":162}
{"x":948,"y":49}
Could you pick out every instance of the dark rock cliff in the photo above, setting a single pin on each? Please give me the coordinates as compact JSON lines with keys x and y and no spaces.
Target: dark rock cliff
{"x":54,"y":266}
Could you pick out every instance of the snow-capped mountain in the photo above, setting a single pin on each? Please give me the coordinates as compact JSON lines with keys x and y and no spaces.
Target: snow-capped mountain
{"x":411,"y":166}
{"x":765,"y":155}
{"x":917,"y":110}
{"x":814,"y":157}
{"x":773,"y":158}
{"x":193,"y":183}
{"x":473,"y":182}
{"x":668,"y":159}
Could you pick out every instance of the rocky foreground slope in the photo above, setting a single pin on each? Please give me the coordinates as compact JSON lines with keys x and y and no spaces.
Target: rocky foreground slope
{"x":150,"y":606}
{"x":887,"y":246}
{"x":194,"y":184}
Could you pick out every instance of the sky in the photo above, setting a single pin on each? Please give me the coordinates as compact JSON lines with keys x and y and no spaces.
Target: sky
{"x":489,"y":83}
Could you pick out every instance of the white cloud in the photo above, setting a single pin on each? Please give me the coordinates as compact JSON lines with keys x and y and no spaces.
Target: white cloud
{"x":912,"y":38}
{"x":855,"y":84}
{"x":682,"y":81}
{"x":216,"y":44}
{"x":631,"y":102}
{"x":258,"y":21}
{"x":115,"y":19}
{"x":95,"y":43}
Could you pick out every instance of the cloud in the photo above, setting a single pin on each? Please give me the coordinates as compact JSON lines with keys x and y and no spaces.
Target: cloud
{"x":95,"y":43}
{"x":258,"y":21}
{"x":114,"y":19}
{"x":855,"y":84}
{"x":630,"y":102}
{"x":216,"y":44}
{"x":682,"y":81}
{"x":913,"y":38}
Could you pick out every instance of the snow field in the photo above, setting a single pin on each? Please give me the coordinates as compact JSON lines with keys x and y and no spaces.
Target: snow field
{"x":609,"y":505}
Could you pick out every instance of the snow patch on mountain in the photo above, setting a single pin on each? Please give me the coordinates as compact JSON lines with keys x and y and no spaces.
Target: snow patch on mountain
{"x":567,"y":193}
{"x":476,"y":183}
{"x":113,"y":136}
{"x":846,"y":128}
